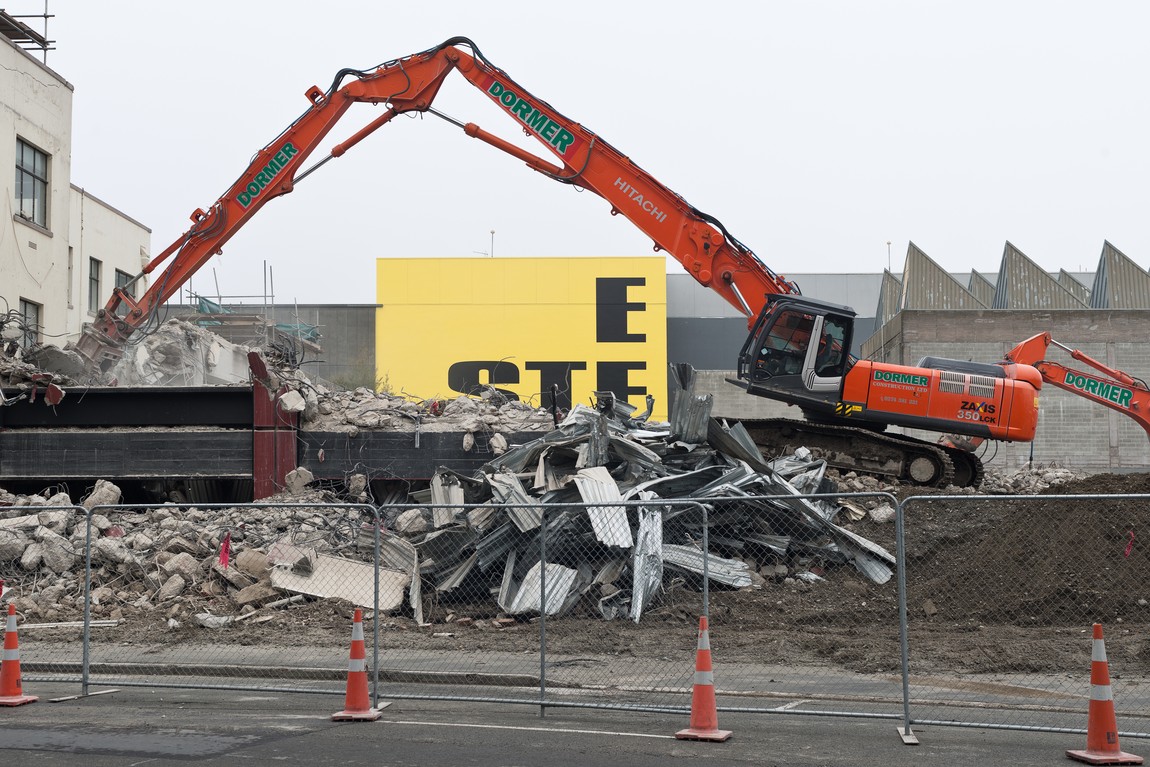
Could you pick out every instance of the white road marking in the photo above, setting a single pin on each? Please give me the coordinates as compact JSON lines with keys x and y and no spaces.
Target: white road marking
{"x":534,"y":729}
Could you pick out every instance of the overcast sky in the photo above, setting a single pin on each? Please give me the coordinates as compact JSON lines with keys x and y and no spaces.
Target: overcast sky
{"x":815,"y":131}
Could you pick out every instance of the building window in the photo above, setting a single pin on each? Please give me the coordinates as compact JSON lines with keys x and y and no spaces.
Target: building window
{"x":124,"y":280}
{"x":31,"y":183}
{"x":30,"y":317}
{"x":94,"y":293}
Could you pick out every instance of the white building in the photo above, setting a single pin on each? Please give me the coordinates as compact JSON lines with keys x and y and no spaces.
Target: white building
{"x":61,"y":249}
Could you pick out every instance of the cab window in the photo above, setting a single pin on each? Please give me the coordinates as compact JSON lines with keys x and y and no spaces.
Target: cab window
{"x":785,"y":344}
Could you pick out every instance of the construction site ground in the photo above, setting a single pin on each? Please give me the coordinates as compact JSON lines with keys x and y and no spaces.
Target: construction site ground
{"x":993,"y":585}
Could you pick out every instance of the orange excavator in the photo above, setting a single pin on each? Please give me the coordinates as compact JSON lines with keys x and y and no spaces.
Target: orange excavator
{"x":798,"y":348}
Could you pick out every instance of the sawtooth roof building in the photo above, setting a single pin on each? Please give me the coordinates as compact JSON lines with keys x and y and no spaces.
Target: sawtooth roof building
{"x":927,"y":311}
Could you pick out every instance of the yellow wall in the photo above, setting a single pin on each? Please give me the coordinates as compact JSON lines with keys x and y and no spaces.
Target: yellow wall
{"x":519,"y":323}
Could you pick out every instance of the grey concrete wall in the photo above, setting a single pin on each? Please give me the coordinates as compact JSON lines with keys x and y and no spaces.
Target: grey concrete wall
{"x":347,"y":338}
{"x":348,"y":341}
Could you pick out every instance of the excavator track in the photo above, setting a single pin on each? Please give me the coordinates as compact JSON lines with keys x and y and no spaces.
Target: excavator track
{"x":968,"y":468}
{"x":849,"y":448}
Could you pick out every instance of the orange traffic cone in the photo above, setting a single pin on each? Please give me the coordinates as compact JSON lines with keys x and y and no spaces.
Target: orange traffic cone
{"x":1102,"y":727}
{"x":704,"y":716}
{"x":357,"y":706}
{"x":10,"y":692}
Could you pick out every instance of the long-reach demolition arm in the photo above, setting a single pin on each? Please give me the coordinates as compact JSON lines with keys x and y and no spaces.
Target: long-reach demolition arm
{"x":1114,"y":389}
{"x":699,"y":241}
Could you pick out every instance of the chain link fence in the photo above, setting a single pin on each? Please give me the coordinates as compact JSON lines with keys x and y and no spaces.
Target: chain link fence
{"x":42,"y":552}
{"x":598,"y":604}
{"x":1001,"y":595}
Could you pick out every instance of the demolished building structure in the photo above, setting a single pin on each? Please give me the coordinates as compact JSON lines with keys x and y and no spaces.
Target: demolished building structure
{"x":600,"y":509}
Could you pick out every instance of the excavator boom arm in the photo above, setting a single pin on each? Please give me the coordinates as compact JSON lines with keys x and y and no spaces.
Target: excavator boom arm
{"x":699,"y":242}
{"x":1113,"y":388}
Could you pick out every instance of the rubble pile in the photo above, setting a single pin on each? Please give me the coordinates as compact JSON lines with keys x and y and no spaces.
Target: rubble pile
{"x":474,"y":537}
{"x":326,"y":409}
{"x":168,"y":557}
{"x":181,"y":353}
{"x":175,"y":353}
{"x":463,"y":536}
{"x":1028,"y":480}
{"x":23,"y":377}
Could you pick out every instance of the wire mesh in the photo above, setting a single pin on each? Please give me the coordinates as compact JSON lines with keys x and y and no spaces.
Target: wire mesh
{"x":42,"y":554}
{"x":598,"y":604}
{"x":1001,"y":597}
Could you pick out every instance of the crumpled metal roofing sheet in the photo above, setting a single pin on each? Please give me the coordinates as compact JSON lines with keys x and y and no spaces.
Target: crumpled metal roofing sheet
{"x":521,"y":507}
{"x":597,"y":487}
{"x":647,"y":563}
{"x":525,"y":597}
{"x":732,"y":572}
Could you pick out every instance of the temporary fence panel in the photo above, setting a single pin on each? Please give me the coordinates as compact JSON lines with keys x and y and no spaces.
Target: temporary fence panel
{"x":254,"y":596}
{"x":817,"y":632}
{"x":44,"y":546}
{"x":594,"y":603}
{"x":1001,"y":596}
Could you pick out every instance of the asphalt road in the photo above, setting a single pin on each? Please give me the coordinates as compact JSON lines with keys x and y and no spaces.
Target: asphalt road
{"x":155,"y":727}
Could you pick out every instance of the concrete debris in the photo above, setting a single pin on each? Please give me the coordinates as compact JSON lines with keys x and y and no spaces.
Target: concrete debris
{"x":327,"y":577}
{"x":347,"y":411}
{"x":292,"y":401}
{"x":882,"y":514}
{"x":207,"y":620}
{"x":104,"y":494}
{"x":1027,"y":480}
{"x":297,"y":481}
{"x":181,"y":353}
{"x":175,"y":353}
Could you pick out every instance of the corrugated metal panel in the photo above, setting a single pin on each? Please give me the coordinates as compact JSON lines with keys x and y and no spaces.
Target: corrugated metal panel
{"x":1076,"y":288}
{"x":889,"y":299}
{"x":609,"y":521}
{"x":1119,"y":283}
{"x":523,"y":509}
{"x":982,"y":288}
{"x":647,"y":560}
{"x":1023,"y":284}
{"x":527,"y":597}
{"x":925,"y":285}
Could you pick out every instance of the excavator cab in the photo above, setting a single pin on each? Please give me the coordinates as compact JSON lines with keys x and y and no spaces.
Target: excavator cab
{"x":798,"y":351}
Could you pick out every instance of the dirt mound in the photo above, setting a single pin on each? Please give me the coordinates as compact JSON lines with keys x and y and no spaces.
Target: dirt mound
{"x":1110,"y":484}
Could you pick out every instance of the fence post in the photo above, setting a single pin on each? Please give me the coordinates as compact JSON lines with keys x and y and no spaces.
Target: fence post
{"x":543,"y":613}
{"x":87,"y":635}
{"x":375,"y":524}
{"x":706,"y":560}
{"x":905,"y":733}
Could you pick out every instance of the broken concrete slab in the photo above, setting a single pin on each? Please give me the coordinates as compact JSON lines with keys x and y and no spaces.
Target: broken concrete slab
{"x":337,"y":577}
{"x":257,"y":593}
{"x":253,"y":562}
{"x":184,"y":565}
{"x":103,"y":494}
{"x":171,"y":588}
